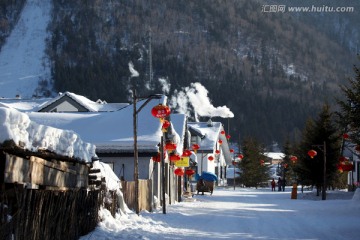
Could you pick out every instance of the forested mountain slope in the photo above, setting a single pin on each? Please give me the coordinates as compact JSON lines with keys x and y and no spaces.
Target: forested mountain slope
{"x":273,"y":70}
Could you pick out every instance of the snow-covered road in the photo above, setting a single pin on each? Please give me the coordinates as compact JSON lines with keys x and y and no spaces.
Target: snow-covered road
{"x":241,"y":214}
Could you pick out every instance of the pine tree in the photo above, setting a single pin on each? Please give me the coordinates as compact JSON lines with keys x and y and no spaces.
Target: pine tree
{"x":319,"y":135}
{"x":253,"y":169}
{"x":288,"y":166}
{"x":350,"y":107}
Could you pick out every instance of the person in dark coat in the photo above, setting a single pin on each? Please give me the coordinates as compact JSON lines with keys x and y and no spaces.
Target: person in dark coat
{"x":283,"y":183}
{"x":279,"y":184}
{"x":273,"y":184}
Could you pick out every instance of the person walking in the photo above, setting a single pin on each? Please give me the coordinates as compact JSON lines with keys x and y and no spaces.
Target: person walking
{"x":273,"y":184}
{"x":279,"y":184}
{"x":283,"y":183}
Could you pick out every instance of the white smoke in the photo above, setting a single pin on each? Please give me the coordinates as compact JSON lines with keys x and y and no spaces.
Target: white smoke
{"x":132,"y":70}
{"x":197,"y":96}
{"x":165,"y":85}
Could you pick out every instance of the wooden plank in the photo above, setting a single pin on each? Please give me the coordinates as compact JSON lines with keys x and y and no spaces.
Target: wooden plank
{"x":16,"y":169}
{"x":63,"y":166}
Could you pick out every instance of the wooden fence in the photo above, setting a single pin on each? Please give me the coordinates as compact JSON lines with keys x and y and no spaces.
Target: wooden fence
{"x":145,"y":194}
{"x":45,"y":214}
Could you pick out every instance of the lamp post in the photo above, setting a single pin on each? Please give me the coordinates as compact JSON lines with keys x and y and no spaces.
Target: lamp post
{"x":312,"y":154}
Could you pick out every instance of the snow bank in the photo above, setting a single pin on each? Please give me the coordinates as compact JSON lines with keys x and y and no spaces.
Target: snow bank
{"x":31,"y":136}
{"x":356,"y":197}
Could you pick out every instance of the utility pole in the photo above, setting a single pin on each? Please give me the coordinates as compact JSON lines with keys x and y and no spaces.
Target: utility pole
{"x":136,"y":155}
{"x":324,"y":174}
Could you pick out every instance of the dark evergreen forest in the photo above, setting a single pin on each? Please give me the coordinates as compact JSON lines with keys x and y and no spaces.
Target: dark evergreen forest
{"x":273,"y":70}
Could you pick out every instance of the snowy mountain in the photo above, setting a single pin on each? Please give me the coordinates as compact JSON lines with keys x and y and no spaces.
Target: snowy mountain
{"x":23,"y":62}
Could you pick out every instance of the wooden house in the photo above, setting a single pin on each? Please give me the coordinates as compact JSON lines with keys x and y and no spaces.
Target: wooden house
{"x":110,"y":128}
{"x":214,"y":153}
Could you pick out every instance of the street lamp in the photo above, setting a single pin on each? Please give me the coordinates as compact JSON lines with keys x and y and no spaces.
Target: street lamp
{"x":312,"y":154}
{"x":136,"y":110}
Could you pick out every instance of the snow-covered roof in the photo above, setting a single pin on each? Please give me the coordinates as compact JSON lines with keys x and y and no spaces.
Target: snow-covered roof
{"x":32,"y":136}
{"x":23,"y":105}
{"x":179,"y":123}
{"x":274,"y":155}
{"x":91,"y":106}
{"x":210,"y":133}
{"x":110,"y":131}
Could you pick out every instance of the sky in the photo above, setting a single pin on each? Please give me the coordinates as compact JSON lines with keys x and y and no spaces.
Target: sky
{"x":243,"y":213}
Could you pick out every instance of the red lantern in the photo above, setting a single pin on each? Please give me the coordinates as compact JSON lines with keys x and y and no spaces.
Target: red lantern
{"x":312,"y":153}
{"x":170,"y":146}
{"x":210,"y":158}
{"x":156,"y":158}
{"x":174,"y":157}
{"x":217,"y":151}
{"x":231,"y":150}
{"x":347,"y":167}
{"x":342,"y":159}
{"x":186,"y":153}
{"x":220,"y":141}
{"x":222,"y":132}
{"x":166,"y":124}
{"x":160,"y":111}
{"x":262,"y":162}
{"x":228,"y":136}
{"x":293,"y":159}
{"x":339,"y":167}
{"x":240,"y":156}
{"x":179,"y":172}
{"x":195,"y":147}
{"x":189,"y":172}
{"x":345,"y":136}
{"x":233,"y":163}
{"x":285,"y":165}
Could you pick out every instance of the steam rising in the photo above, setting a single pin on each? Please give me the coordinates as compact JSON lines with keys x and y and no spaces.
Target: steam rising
{"x":196,"y":96}
{"x":132,"y":70}
{"x":165,"y":85}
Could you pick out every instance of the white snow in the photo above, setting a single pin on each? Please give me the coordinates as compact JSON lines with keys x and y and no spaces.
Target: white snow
{"x":32,"y":136}
{"x":241,"y":214}
{"x":22,"y":59}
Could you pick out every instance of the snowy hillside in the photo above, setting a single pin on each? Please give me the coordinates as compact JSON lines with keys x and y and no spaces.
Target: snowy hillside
{"x":22,"y":59}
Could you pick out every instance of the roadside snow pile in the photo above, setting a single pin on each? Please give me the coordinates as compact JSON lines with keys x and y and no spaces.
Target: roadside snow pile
{"x":17,"y":126}
{"x":113,"y":183}
{"x":356,"y":197}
